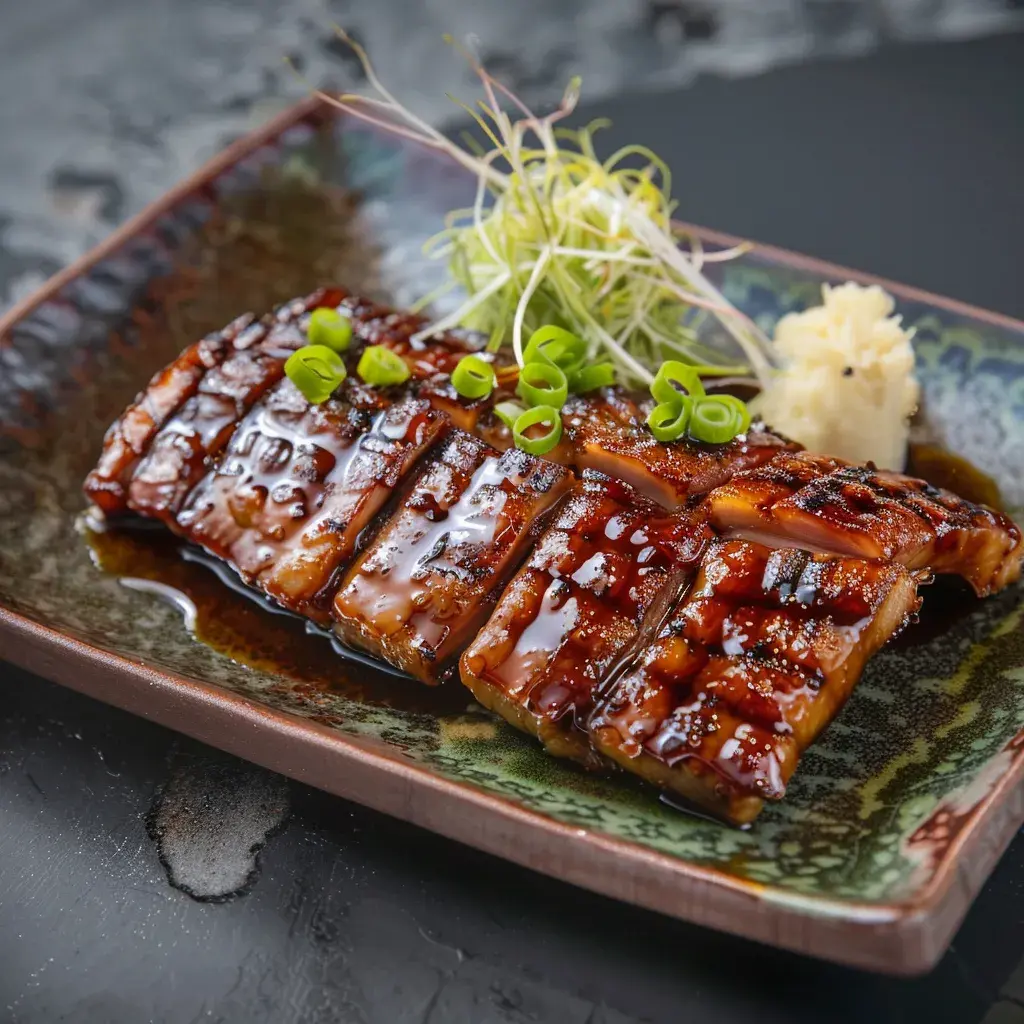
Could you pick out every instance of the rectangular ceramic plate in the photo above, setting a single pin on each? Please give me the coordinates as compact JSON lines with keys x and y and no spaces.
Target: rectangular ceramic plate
{"x":895,"y":817}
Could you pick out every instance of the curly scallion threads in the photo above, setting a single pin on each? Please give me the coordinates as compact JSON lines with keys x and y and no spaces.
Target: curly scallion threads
{"x":572,"y":240}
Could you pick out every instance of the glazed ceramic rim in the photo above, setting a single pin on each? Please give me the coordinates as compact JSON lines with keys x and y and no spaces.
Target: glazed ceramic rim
{"x":906,"y":937}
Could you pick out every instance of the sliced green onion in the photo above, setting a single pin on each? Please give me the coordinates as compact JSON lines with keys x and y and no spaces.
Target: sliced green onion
{"x":742,"y":412}
{"x":674,"y":379}
{"x":555,"y":345}
{"x":508,"y":413}
{"x":380,"y":367}
{"x":714,"y":421}
{"x":316,"y":371}
{"x":538,"y":445}
{"x":669,"y":420}
{"x":473,"y":377}
{"x":329,"y":328}
{"x":589,"y":378}
{"x":543,"y":384}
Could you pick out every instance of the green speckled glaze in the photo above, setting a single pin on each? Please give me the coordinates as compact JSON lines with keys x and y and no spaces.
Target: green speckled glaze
{"x":872,"y":809}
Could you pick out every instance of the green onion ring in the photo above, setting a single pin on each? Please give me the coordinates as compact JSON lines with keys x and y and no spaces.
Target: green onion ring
{"x":316,"y":371}
{"x":741,"y":410}
{"x":531,"y":418}
{"x":473,"y":377}
{"x":553,"y":394}
{"x":330,"y":328}
{"x":555,"y":345}
{"x":669,"y":420}
{"x":714,"y":421}
{"x":674,"y":379}
{"x":589,"y":378}
{"x":380,"y":366}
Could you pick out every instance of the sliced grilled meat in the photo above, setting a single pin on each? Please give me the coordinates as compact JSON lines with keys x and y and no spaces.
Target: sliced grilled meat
{"x":163,"y":442}
{"x":422,"y":588}
{"x":199,"y":430}
{"x":299,"y":482}
{"x":128,"y":438}
{"x":822,"y":504}
{"x":749,"y":669}
{"x":475,"y":416}
{"x":431,"y":362}
{"x":602,"y":573}
{"x":607,"y":432}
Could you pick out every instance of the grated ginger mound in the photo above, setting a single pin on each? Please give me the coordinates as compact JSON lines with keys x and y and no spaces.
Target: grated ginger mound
{"x":847,"y":386}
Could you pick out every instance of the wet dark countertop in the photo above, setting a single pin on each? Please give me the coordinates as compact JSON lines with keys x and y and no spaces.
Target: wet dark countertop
{"x":316,"y":910}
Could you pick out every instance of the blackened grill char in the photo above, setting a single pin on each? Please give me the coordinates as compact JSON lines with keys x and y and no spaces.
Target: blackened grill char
{"x":695,"y":614}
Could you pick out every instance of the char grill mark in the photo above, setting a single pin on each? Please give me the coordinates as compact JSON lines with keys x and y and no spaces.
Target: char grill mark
{"x":422,"y":588}
{"x":606,"y":432}
{"x":157,"y":450}
{"x":750,"y":668}
{"x":298,"y":484}
{"x":431,"y":362}
{"x":826,"y":505}
{"x":600,"y":575}
{"x":128,"y":438}
{"x":199,"y":430}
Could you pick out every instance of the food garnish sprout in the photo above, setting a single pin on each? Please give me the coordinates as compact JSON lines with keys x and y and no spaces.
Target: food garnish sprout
{"x":558,"y":236}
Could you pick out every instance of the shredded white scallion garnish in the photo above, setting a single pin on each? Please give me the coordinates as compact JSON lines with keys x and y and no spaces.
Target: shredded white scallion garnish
{"x":557,"y":236}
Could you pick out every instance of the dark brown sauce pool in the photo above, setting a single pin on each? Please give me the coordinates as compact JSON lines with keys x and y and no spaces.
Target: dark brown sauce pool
{"x":244,"y":626}
{"x":944,"y":469}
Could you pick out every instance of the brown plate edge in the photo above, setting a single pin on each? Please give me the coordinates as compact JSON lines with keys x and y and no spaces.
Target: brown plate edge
{"x":907,"y":938}
{"x":899,"y":938}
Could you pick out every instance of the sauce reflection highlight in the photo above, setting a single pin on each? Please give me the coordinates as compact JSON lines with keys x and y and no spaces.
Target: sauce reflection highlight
{"x":250,"y":630}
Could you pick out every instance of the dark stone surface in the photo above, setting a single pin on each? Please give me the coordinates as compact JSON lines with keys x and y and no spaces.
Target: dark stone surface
{"x":315,"y":910}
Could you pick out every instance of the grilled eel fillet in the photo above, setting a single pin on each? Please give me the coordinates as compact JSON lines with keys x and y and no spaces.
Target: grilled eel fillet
{"x":601,"y":576}
{"x":606,"y":431}
{"x":820,"y":503}
{"x":421,"y":589}
{"x":225,"y":451}
{"x":300,"y":482}
{"x":751,"y":666}
{"x":167,"y":438}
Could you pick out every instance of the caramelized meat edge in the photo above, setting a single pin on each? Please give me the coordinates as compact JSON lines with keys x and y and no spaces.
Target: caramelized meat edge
{"x":820,"y":503}
{"x":197,"y":433}
{"x":749,"y":669}
{"x":128,"y":438}
{"x":607,"y":432}
{"x":601,"y":576}
{"x":423,"y":586}
{"x":300,"y":482}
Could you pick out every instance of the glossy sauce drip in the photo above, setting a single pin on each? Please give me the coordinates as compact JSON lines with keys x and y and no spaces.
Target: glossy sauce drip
{"x":753,"y":663}
{"x":421,"y":588}
{"x":299,"y":484}
{"x":583,"y":598}
{"x":202,"y":427}
{"x":240,"y":623}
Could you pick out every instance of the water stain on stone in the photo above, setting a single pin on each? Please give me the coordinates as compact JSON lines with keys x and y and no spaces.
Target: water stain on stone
{"x":212,"y":818}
